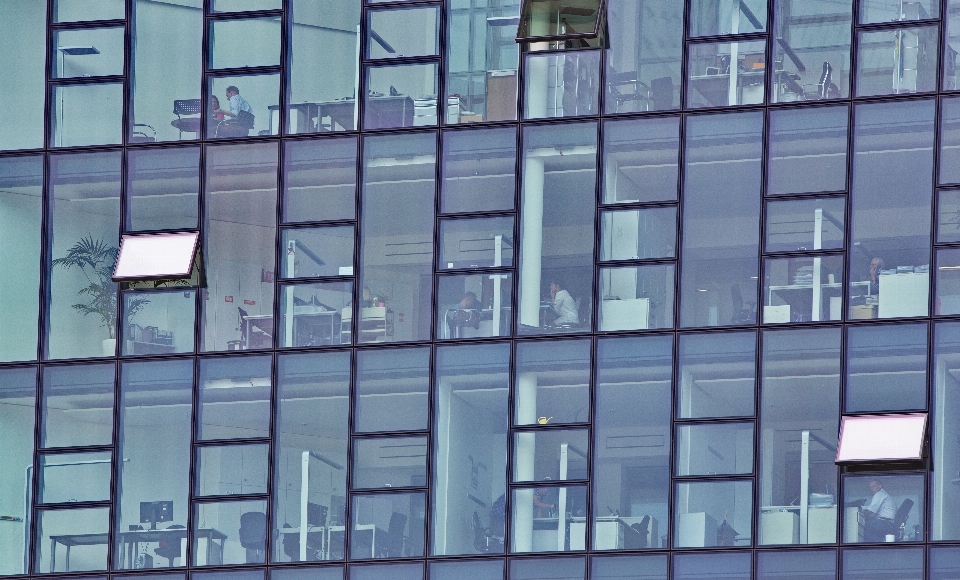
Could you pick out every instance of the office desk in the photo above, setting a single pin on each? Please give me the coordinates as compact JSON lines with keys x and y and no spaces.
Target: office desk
{"x":716,"y":88}
{"x":70,"y":541}
{"x":331,"y":530}
{"x":609,"y":532}
{"x":382,"y":111}
{"x":130,"y":543}
{"x":311,"y":531}
{"x":792,"y":293}
{"x":307,"y":320}
{"x":484,"y":328}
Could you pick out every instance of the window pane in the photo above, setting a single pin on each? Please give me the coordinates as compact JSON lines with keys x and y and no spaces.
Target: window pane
{"x":392,"y":387}
{"x":321,"y":314}
{"x":886,"y":368}
{"x":805,"y":224}
{"x":393,"y":571}
{"x":872,"y":11}
{"x":482,"y":61}
{"x":720,"y":228}
{"x":644,"y":55}
{"x":552,"y":382}
{"x":155,"y":408}
{"x":234,"y":398}
{"x":162,"y":188}
{"x":906,"y":564}
{"x":637,"y":298}
{"x":806,"y":565}
{"x":61,"y":529}
{"x":950,"y":137}
{"x":88,"y":52}
{"x":948,"y":282}
{"x":60,"y":473}
{"x":713,"y":82}
{"x":562,"y":84}
{"x":389,"y":462}
{"x":547,"y":568}
{"x":21,"y":207}
{"x":713,"y":513}
{"x":231,"y":469}
{"x":802,"y":289}
{"x":320,"y":180}
{"x":944,"y":445}
{"x":479,"y":170}
{"x":471,"y":390}
{"x":403,"y":33}
{"x":23,"y":45}
{"x":717,"y":375}
{"x":239,"y":240}
{"x":87,"y":115}
{"x":715,"y":449}
{"x":641,"y":160}
{"x":231,"y":46}
{"x":891,"y":505}
{"x":245,"y":5}
{"x":310,"y":448}
{"x":631,"y":467}
{"x":646,"y":567}
{"x":542,"y":520}
{"x":323,"y":66}
{"x":153,"y":256}
{"x":799,"y":414}
{"x":167,"y":63}
{"x":229,"y":532}
{"x":944,"y":563}
{"x":324,"y":573}
{"x":18,"y":400}
{"x":401,"y":96}
{"x":68,"y":388}
{"x":892,"y":193}
{"x":908,"y":54}
{"x":550,"y":455}
{"x":83,"y":10}
{"x":810,"y":33}
{"x":468,"y":306}
{"x":950,"y":44}
{"x":807,"y":152}
{"x":389,"y":525}
{"x":158,"y":322}
{"x":231,"y":575}
{"x":638,"y":234}
{"x":474,"y":569}
{"x":709,"y":18}
{"x":318,"y":252}
{"x":868,"y":438}
{"x":234,"y":115}
{"x":705,"y":566}
{"x":476,"y":243}
{"x":558,"y":18}
{"x":948,"y":212}
{"x":396,"y":253}
{"x":558,"y":201}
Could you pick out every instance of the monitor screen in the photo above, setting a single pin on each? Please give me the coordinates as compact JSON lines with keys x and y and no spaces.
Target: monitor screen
{"x":152,"y":512}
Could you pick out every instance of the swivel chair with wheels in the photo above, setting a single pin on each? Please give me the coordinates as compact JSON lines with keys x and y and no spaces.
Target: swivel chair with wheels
{"x":253,"y":535}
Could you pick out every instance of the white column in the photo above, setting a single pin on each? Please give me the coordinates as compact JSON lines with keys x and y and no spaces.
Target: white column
{"x":497,"y":282}
{"x":817,"y":298}
{"x":804,"y":483}
{"x":304,"y":498}
{"x":288,"y":312}
{"x":531,"y":240}
{"x":524,"y":453}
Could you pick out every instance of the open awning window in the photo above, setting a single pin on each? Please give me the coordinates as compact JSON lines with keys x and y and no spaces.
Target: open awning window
{"x":165,"y":256}
{"x":882,"y":438}
{"x":545,"y":20}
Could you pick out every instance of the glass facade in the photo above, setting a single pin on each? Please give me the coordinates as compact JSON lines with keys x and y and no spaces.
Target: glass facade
{"x":493,"y":289}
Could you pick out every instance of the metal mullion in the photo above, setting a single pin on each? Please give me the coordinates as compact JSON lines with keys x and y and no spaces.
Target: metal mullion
{"x":636,"y":205}
{"x":310,"y":280}
{"x":636,"y":262}
{"x":435,"y":238}
{"x":363,"y":435}
{"x":87,"y":24}
{"x":68,"y":505}
{"x":803,"y":254}
{"x":44,"y":451}
{"x":228,"y":498}
{"x":97,"y":80}
{"x":898,"y":24}
{"x":288,"y":226}
{"x":478,"y":271}
{"x":813,"y":195}
{"x":759,"y":36}
{"x":231,"y":442}
{"x":30,"y":526}
{"x":213,"y":16}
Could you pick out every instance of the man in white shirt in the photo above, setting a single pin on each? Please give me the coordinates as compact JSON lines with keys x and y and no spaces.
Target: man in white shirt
{"x":564,"y":306}
{"x":240,"y":113}
{"x":879,"y":514}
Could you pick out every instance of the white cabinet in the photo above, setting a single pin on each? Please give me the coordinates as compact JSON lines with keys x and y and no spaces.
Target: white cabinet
{"x":696,"y":530}
{"x":903,"y":294}
{"x":780,"y":527}
{"x":632,"y":314}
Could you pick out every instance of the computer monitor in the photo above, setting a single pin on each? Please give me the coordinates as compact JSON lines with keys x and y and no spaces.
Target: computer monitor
{"x":316,"y":514}
{"x":153,"y":512}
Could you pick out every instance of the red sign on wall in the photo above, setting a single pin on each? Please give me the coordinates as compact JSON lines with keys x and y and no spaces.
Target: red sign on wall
{"x":228,"y":298}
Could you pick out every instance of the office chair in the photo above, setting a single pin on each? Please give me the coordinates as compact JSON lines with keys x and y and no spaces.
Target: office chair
{"x":483,"y":541}
{"x":639,"y":538}
{"x":253,"y":535}
{"x":741,"y":314}
{"x":900,"y":518}
{"x":170,"y":548}
{"x":187,"y":107}
{"x":392,"y":543}
{"x":140,"y":136}
{"x":661,"y":93}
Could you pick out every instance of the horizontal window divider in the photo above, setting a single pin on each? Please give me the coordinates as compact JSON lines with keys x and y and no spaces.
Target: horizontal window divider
{"x":169,"y":231}
{"x":875,"y":413}
{"x":243,"y":71}
{"x":319,"y":224}
{"x":389,"y":434}
{"x":471,"y":340}
{"x":804,"y":196}
{"x":157,"y":356}
{"x":636,"y":332}
{"x":558,"y":38}
{"x":724,"y":109}
{"x":388,"y":490}
{"x":546,"y":483}
{"x":99,"y":80}
{"x":231,"y":442}
{"x":423,"y":59}
{"x":315,"y":348}
{"x":112,"y":23}
{"x":538,"y":428}
{"x":732,"y":477}
{"x":198,"y":499}
{"x":805,"y":253}
{"x":215,"y":16}
{"x":638,"y":205}
{"x":888,"y":99}
{"x":317,"y":280}
{"x":946,"y":245}
{"x":877,"y":26}
{"x":477,"y":214}
{"x":371,"y":6}
{"x":477,"y":270}
{"x":636,"y":262}
{"x":64,"y":450}
{"x":712,"y":420}
{"x":73,"y":505}
{"x":949,"y":187}
{"x":725,"y":38}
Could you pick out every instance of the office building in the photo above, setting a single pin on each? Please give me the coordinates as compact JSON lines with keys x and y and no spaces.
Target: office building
{"x":486,"y":289}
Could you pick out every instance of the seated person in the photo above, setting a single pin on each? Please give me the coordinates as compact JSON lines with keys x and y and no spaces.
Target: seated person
{"x":564,"y":306}
{"x":466,"y":313}
{"x":238,"y":121}
{"x":878,"y":514}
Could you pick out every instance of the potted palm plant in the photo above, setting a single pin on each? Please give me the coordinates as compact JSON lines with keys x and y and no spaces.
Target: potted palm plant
{"x":95,"y":258}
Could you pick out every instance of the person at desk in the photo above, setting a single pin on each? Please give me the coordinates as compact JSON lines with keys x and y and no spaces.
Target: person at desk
{"x":465,"y":314}
{"x":541,"y":507}
{"x":214,"y":108}
{"x":876,"y":265}
{"x":564,"y":306}
{"x":239,"y":119}
{"x":878,"y":514}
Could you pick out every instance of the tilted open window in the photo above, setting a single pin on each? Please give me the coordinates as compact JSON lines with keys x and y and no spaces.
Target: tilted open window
{"x":579,"y":21}
{"x":882,"y":438}
{"x":157,"y":260}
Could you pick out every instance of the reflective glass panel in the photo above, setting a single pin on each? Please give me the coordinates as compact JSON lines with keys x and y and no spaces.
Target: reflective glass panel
{"x":713,"y":513}
{"x":951,"y":44}
{"x":234,"y":398}
{"x":549,"y":518}
{"x":23,"y":44}
{"x":481,"y":61}
{"x":948,"y":282}
{"x":470,"y":401}
{"x":945,"y":447}
{"x":712,"y":81}
{"x":403,"y":33}
{"x":646,"y":567}
{"x":550,"y":455}
{"x":802,"y":289}
{"x":641,"y":160}
{"x":631,"y":466}
{"x":231,"y":469}
{"x":886,"y":368}
{"x":717,"y":375}
{"x":158,"y":322}
{"x":88,"y":52}
{"x":897,"y":61}
{"x":806,"y":565}
{"x":387,"y":525}
{"x":320,"y":314}
{"x":715,"y":449}
{"x":799,"y":415}
{"x":557,"y":203}
{"x":807,"y":150}
{"x":812,"y":50}
{"x":872,"y":11}
{"x":229,"y":532}
{"x":868,"y":438}
{"x":77,"y":405}
{"x":58,"y":530}
{"x":74,"y":477}
{"x":167,"y":64}
{"x":18,"y":403}
{"x":87,"y":115}
{"x":552,"y":382}
{"x":84,"y":10}
{"x":245,"y":42}
{"x":162,"y":188}
{"x":877,"y":507}
{"x":944,"y":563}
{"x":559,"y":18}
{"x":394,"y":571}
{"x":637,"y":298}
{"x":396,"y":251}
{"x":721,"y":233}
{"x":563,"y":84}
{"x":239,"y":246}
{"x":468,"y":305}
{"x":948,"y":215}
{"x":389,"y":462}
{"x":320,"y":180}
{"x":245,"y":5}
{"x":547,"y":568}
{"x":705,"y":566}
{"x":906,"y":564}
{"x":638,"y":234}
{"x":310,"y":458}
{"x":317,"y":252}
{"x":478,"y":170}
{"x":805,"y":224}
{"x":950,"y":136}
{"x":644,"y":55}
{"x":21,"y":206}
{"x":712,"y":18}
{"x":475,"y":569}
{"x":233,"y":114}
{"x":890,"y":217}
{"x":391,"y":390}
{"x":401,"y":96}
{"x":230,"y":575}
{"x":476,"y":243}
{"x":155,"y":410}
{"x":324,"y":573}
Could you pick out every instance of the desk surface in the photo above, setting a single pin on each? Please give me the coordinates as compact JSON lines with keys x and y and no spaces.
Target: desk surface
{"x":134,"y":536}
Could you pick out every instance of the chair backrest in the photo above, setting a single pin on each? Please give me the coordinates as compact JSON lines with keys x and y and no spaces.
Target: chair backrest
{"x":661,"y":93}
{"x":186,"y":107}
{"x":398,"y":522}
{"x":479,"y":533}
{"x":253,"y":530}
{"x":903,"y":512}
{"x":170,"y":548}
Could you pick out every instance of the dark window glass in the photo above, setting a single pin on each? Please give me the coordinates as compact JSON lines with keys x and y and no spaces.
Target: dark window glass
{"x":905,"y":564}
{"x":563,"y":84}
{"x":951,"y":43}
{"x":18,"y":402}
{"x":393,"y":571}
{"x":717,"y":375}
{"x":713,"y":513}
{"x":475,"y":569}
{"x":314,"y":573}
{"x":948,"y":214}
{"x":812,"y":50}
{"x":66,"y":388}
{"x":398,"y":518}
{"x":898,"y":61}
{"x":712,"y":81}
{"x":948,"y":282}
{"x":646,"y":567}
{"x":641,"y":160}
{"x":479,"y":170}
{"x":245,"y":5}
{"x":706,"y":566}
{"x":320,"y":180}
{"x":401,"y":96}
{"x":806,"y":565}
{"x":945,"y":447}
{"x":231,"y":575}
{"x":234,"y":398}
{"x":547,"y":569}
{"x":950,"y":136}
{"x":162,"y":188}
{"x":944,"y":563}
{"x":807,"y":150}
{"x":23,"y":46}
{"x":886,"y":368}
{"x":392,"y":387}
{"x":721,"y":232}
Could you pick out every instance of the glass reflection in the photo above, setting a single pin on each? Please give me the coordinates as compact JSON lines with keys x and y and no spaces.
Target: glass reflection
{"x":468,"y":305}
{"x":883,"y":508}
{"x":244,"y":42}
{"x":162,"y":188}
{"x":229,"y":532}
{"x":389,"y":462}
{"x":717,"y":375}
{"x":557,"y":455}
{"x":909,"y":55}
{"x":803,"y":225}
{"x":387,"y":525}
{"x":403,"y":33}
{"x":806,"y":565}
{"x":320,"y":180}
{"x":74,"y":477}
{"x":562,"y":84}
{"x":478,"y":170}
{"x":67,"y":389}
{"x":313,"y":314}
{"x":726,"y":74}
{"x":950,"y":137}
{"x":23,"y":44}
{"x":945,"y":447}
{"x":401,"y":96}
{"x":641,"y":160}
{"x":391,"y":390}
{"x":950,"y":44}
{"x":646,"y":567}
{"x":237,"y":101}
{"x":812,"y":50}
{"x":705,"y":566}
{"x":60,"y":529}
{"x":81,"y":10}
{"x":711,"y":18}
{"x":948,"y":282}
{"x":637,"y":298}
{"x":547,"y":568}
{"x":803,"y":289}
{"x":18,"y":403}
{"x":234,"y":398}
{"x":715,"y":449}
{"x":231,"y":470}
{"x":474,"y":569}
{"x":903,"y":564}
{"x":158,"y":322}
{"x":713,"y":513}
{"x":807,"y":150}
{"x":548,"y":518}
{"x":886,"y":368}
{"x":87,"y":115}
{"x":21,"y":207}
{"x":638,"y":234}
{"x":552,"y":382}
{"x":88,"y":52}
